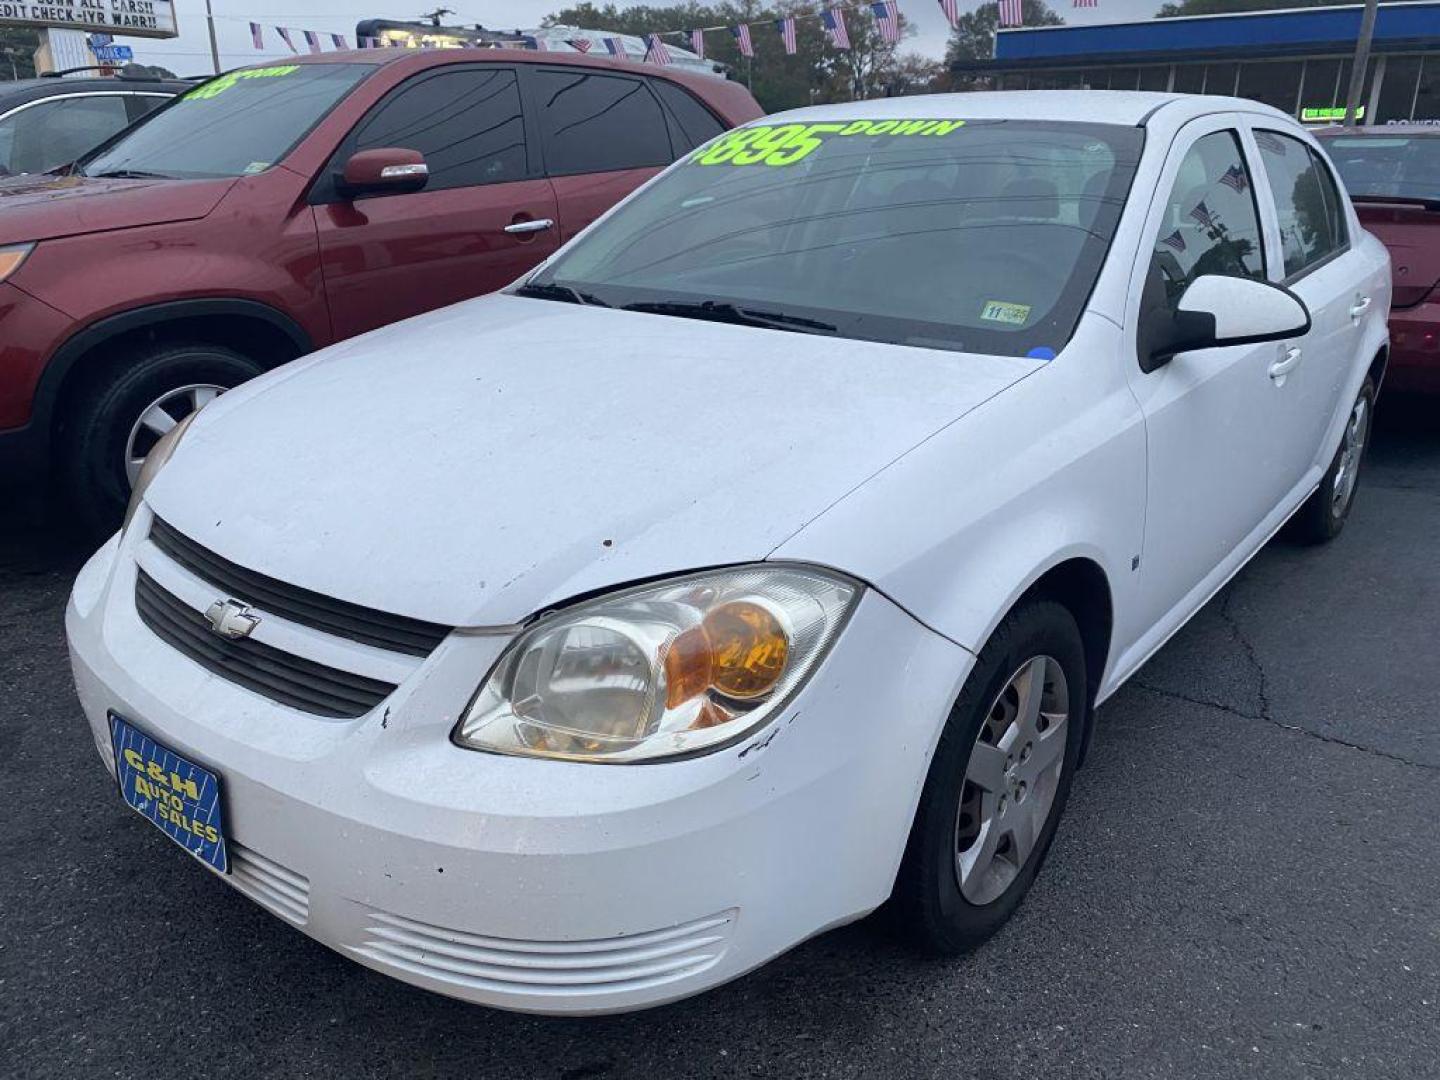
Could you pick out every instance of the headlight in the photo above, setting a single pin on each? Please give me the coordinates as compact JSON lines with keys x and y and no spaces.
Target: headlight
{"x":155,"y":461}
{"x":11,"y":257}
{"x":689,"y":665}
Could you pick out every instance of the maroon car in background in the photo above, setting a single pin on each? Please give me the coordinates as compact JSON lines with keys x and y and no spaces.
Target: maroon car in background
{"x":1393,"y":176}
{"x":279,"y":208}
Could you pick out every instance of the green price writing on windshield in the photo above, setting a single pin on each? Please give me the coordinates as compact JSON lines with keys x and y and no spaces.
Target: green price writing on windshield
{"x":218,"y":86}
{"x":785,"y":144}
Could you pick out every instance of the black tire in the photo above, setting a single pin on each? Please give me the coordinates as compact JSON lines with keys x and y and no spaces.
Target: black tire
{"x":97,"y":429}
{"x":928,"y":904}
{"x":1321,"y":518}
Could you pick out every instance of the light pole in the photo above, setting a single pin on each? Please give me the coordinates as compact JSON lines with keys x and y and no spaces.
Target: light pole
{"x":1362,"y":60}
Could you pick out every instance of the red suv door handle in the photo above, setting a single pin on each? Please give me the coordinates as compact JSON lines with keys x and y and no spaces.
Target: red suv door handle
{"x":526,"y":227}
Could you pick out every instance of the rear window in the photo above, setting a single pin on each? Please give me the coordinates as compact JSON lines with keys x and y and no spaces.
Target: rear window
{"x":236,"y":124}
{"x":1407,"y":166}
{"x":599,"y":123}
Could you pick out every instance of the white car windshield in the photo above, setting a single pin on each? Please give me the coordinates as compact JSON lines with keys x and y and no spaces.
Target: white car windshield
{"x":974,"y":235}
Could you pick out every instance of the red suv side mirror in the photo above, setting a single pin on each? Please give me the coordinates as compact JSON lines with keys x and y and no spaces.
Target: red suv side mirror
{"x":386,"y":169}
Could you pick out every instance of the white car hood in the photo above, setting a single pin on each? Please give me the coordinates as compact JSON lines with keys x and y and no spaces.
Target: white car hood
{"x":486,"y":461}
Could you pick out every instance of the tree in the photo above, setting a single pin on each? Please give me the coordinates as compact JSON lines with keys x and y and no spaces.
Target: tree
{"x":974,"y":36}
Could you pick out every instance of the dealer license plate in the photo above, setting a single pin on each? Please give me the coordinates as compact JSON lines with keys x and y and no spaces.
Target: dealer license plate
{"x":180,"y":798}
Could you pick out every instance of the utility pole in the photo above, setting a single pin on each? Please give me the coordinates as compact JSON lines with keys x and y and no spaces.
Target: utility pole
{"x":1362,"y":61}
{"x":214,"y":46}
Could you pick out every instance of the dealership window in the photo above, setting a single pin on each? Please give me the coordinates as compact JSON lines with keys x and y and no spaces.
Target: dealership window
{"x":1276,"y":83}
{"x":1312,"y":227}
{"x":1322,"y":82}
{"x":1427,"y":93}
{"x":1155,"y":78}
{"x":1189,"y":78}
{"x":1124,"y":78}
{"x":1096,"y":78}
{"x":1220,"y":78}
{"x":1397,"y":90}
{"x":1211,"y":225}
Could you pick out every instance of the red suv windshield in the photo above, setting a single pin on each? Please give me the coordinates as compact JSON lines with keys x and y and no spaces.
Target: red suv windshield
{"x":234,"y":125}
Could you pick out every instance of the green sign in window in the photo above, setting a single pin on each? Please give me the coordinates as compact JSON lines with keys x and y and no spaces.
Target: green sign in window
{"x":1329,"y":115}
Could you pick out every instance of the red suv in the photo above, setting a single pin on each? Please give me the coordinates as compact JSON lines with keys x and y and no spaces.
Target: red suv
{"x":1393,"y":176}
{"x":276,"y":209}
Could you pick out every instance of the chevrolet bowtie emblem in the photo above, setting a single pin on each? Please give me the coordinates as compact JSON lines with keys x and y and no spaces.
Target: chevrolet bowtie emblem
{"x":231,"y":619}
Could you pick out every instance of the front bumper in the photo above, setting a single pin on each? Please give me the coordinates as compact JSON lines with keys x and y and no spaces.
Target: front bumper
{"x":1415,"y":349}
{"x":538,"y":885}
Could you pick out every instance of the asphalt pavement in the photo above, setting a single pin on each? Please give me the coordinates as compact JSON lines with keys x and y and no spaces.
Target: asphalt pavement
{"x":1247,"y":881}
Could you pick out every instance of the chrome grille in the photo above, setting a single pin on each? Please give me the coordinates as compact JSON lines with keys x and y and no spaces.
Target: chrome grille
{"x":279,"y":676}
{"x":397,"y":633}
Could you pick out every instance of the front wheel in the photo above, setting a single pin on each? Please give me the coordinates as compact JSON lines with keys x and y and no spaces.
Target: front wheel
{"x":998,"y":782}
{"x":116,"y":422}
{"x":1324,"y":514}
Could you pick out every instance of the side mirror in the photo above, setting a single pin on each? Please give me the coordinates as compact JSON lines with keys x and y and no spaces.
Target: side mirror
{"x":1215,"y":311}
{"x":388,"y":170}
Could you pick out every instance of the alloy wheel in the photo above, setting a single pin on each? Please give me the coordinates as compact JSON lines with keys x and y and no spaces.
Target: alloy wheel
{"x":1357,"y":429}
{"x":1011,"y":779}
{"x":160,"y":416}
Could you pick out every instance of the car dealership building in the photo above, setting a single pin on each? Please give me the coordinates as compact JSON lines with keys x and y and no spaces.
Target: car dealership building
{"x":1298,"y":60}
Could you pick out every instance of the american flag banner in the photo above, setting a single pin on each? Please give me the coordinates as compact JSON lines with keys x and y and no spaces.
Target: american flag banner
{"x":1203,"y":215}
{"x":1012,"y":12}
{"x":339,"y":41}
{"x":887,"y":17}
{"x":833,"y":19}
{"x":655,"y":51}
{"x":1174,"y":240}
{"x":538,"y":44}
{"x":312,"y":40}
{"x":697,"y":42}
{"x":786,"y":27}
{"x":285,"y":37}
{"x":951,"y":8}
{"x":1087,"y":3}
{"x":1235,"y":178}
{"x":580,"y":44}
{"x":256,"y":36}
{"x":616,"y":47}
{"x":742,"y":39}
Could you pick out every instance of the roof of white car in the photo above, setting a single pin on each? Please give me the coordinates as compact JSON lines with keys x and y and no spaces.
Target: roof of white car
{"x":1094,"y":106}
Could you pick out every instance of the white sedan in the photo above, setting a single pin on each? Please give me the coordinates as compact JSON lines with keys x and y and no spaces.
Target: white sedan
{"x":762,"y":557}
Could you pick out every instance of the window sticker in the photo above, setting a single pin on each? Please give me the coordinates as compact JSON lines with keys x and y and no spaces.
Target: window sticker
{"x":1002,"y":312}
{"x":785,"y":144}
{"x":216,"y":87}
{"x":256,"y":167}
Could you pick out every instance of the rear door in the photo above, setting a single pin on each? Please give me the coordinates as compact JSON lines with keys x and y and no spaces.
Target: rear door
{"x":387,"y":257}
{"x":1311,"y":255}
{"x":604,"y":134}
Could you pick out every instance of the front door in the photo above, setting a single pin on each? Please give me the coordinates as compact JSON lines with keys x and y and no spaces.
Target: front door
{"x":1220,"y":451}
{"x":387,"y":257}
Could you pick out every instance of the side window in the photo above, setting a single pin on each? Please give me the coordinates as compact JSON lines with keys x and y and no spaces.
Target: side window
{"x":599,"y":123}
{"x":143,"y":104}
{"x":1312,"y":224}
{"x":1211,"y":225}
{"x":59,"y":130}
{"x":468,"y":123}
{"x":692,"y":123}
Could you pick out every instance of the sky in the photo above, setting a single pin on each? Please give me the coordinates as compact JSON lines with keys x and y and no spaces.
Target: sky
{"x":189,"y":54}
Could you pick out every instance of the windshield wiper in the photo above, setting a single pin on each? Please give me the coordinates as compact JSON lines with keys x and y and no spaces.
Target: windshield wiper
{"x":551,"y":290}
{"x":131,"y":174}
{"x":722,"y":311}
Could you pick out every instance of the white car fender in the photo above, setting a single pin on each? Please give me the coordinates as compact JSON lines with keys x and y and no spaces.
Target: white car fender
{"x":1051,"y":469}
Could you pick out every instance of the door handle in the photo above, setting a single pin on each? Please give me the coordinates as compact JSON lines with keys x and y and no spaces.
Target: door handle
{"x":520,"y":228}
{"x":1361,"y":305}
{"x":1282,"y":367}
